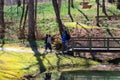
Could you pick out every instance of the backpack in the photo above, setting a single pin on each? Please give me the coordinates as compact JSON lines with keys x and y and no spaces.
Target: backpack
{"x":67,"y":36}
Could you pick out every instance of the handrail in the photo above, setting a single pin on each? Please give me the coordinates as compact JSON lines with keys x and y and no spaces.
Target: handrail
{"x":96,"y":37}
{"x":96,"y":42}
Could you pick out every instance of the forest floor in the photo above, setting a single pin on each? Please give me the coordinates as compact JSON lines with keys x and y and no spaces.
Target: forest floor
{"x":19,"y":49}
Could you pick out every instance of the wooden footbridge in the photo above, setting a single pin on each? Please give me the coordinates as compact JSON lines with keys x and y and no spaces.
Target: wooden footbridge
{"x":94,"y":44}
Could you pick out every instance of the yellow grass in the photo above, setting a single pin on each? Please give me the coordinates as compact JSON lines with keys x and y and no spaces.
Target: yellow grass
{"x":79,"y":25}
{"x":14,"y":65}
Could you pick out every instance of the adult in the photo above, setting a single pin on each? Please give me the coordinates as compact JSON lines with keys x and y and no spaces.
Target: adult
{"x":48,"y":43}
{"x":64,"y":40}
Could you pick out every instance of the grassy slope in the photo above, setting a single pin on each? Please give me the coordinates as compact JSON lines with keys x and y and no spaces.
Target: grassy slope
{"x":13,"y":65}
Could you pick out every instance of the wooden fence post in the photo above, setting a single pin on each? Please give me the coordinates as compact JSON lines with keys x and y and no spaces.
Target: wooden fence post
{"x":90,"y":43}
{"x":108,"y":44}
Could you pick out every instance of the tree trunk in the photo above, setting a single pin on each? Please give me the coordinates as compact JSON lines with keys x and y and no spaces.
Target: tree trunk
{"x":104,"y":9}
{"x":23,"y":21}
{"x":36,"y":31}
{"x":97,"y":18}
{"x":2,"y":24}
{"x":18,"y":3}
{"x":72,"y":3}
{"x":59,"y":4}
{"x":69,"y":10}
{"x":118,"y":4}
{"x":31,"y":21}
{"x":57,"y":13}
{"x":35,"y":10}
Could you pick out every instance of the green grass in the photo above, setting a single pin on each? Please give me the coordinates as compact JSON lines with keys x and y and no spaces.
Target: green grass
{"x":45,"y":10}
{"x":46,"y":19}
{"x":15,"y":65}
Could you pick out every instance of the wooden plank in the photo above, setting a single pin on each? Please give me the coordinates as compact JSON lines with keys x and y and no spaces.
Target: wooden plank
{"x":97,"y":49}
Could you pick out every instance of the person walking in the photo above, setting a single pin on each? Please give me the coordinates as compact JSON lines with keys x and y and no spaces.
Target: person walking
{"x":48,"y":43}
{"x":46,"y":46}
{"x":64,"y":40}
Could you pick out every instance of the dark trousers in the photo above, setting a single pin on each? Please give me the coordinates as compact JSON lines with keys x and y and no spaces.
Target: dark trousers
{"x":48,"y":45}
{"x":64,"y":46}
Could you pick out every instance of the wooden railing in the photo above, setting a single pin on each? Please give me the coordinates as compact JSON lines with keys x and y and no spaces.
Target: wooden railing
{"x":101,"y":43}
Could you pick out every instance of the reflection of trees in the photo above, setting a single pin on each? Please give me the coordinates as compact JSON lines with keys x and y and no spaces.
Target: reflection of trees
{"x":89,"y":75}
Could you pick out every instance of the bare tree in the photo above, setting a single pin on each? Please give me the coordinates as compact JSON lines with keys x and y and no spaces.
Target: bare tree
{"x":104,"y":9}
{"x":23,"y":21}
{"x":69,"y":10}
{"x":59,"y":4}
{"x":18,"y":3}
{"x":57,"y":12}
{"x":36,"y":31}
{"x":72,"y":3}
{"x":31,"y":21}
{"x":97,"y":18}
{"x":118,"y":4}
{"x":2,"y":24}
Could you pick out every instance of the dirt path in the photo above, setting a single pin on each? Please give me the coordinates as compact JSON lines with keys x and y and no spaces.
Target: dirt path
{"x":19,"y":49}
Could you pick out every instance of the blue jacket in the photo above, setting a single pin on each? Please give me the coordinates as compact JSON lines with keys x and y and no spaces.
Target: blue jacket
{"x":64,"y":38}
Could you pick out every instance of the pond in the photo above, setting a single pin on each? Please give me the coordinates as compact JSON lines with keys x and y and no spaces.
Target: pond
{"x":81,"y":75}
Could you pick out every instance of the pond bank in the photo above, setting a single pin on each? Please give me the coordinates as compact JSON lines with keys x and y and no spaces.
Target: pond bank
{"x":99,"y":72}
{"x":16,"y":62}
{"x":20,"y":62}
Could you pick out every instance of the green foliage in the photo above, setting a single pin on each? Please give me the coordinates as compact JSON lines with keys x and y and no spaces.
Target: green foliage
{"x":9,"y":41}
{"x":45,"y":8}
{"x":118,"y":25}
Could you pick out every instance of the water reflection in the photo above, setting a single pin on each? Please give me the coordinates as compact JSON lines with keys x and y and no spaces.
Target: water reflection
{"x":83,"y":75}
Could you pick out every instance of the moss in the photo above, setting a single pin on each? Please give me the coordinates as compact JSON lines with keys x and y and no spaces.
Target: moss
{"x":14,"y":65}
{"x":80,"y":25}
